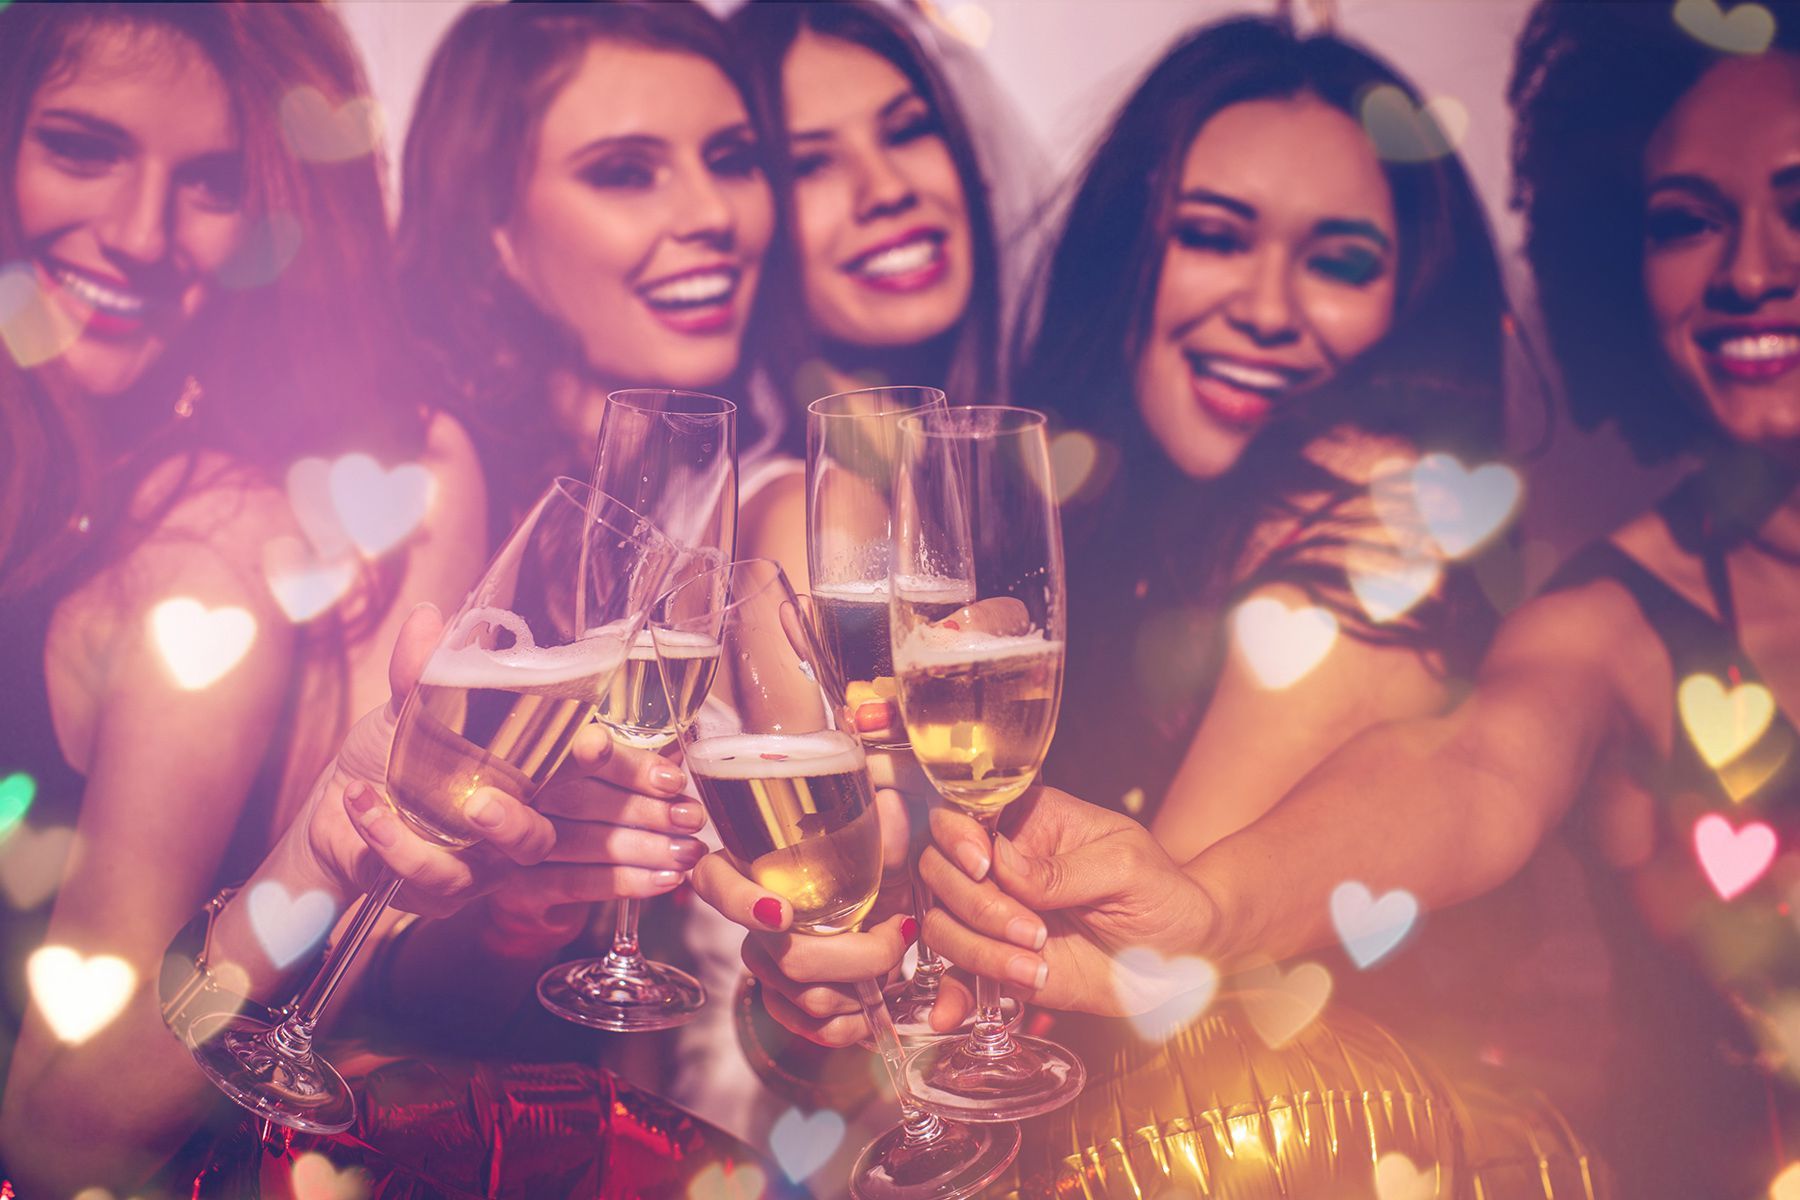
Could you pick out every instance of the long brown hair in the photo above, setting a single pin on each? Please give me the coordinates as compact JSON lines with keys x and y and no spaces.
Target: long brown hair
{"x":305,"y":363}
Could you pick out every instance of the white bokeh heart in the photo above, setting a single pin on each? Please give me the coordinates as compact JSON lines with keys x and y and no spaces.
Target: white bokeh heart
{"x":1389,"y":591}
{"x":309,"y":496}
{"x":804,"y":1142}
{"x":1733,"y":859}
{"x":378,"y":508}
{"x":32,"y":862}
{"x":1370,"y":929}
{"x":200,"y":645}
{"x":724,"y":1181}
{"x":1162,"y":995}
{"x":1397,"y":1178}
{"x":1723,"y":724}
{"x":1405,"y":132}
{"x":304,"y":585}
{"x":33,"y":329}
{"x":289,"y":926}
{"x":1281,"y":1005}
{"x":1281,"y":644}
{"x":78,"y":996}
{"x":319,"y":131}
{"x":315,"y":1178}
{"x":1745,"y":29}
{"x":1462,"y":508}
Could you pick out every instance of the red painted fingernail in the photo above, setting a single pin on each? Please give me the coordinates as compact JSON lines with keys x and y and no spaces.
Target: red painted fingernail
{"x":909,"y":930}
{"x":360,"y":797}
{"x":768,"y":911}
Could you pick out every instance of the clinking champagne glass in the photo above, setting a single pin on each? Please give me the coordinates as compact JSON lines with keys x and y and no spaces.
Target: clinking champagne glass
{"x":517,"y":671}
{"x":672,"y":456}
{"x":975,"y":506}
{"x":785,"y":779}
{"x":851,"y":441}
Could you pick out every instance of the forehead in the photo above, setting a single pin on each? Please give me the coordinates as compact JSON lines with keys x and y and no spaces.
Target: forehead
{"x":150,"y":80}
{"x":826,"y":81}
{"x":1290,"y":154}
{"x":619,"y":88}
{"x":1740,"y":120}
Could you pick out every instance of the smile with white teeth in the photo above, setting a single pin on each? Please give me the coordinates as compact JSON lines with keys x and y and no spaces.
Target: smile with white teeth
{"x":903,"y":259}
{"x":1256,"y":379}
{"x":98,"y":295}
{"x":690,"y":291}
{"x":1759,"y":347}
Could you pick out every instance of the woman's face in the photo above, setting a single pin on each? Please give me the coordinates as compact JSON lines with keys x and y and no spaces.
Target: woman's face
{"x":1722,"y":245}
{"x":644,"y":216}
{"x":129,"y":186}
{"x":883,"y":225}
{"x":1277,"y":270}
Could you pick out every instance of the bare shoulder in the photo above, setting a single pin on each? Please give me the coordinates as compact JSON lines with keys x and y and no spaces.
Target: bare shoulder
{"x":1361,"y":457}
{"x":1350,"y":525}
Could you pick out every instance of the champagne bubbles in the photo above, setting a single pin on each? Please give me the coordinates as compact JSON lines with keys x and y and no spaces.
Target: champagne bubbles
{"x":200,"y":645}
{"x":78,"y":996}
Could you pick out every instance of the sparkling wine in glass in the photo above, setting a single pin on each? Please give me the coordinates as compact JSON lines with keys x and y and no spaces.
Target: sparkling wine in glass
{"x":671,"y":455}
{"x":784,"y":777}
{"x":516,"y":673}
{"x":975,"y":507}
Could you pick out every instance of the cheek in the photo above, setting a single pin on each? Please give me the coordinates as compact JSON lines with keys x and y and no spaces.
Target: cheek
{"x":210,"y":239}
{"x":1674,"y":285}
{"x":933,"y":172}
{"x":755,"y":218}
{"x":821,"y":212}
{"x":1349,"y":321}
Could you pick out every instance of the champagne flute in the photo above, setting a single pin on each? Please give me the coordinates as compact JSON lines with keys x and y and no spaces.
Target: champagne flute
{"x":974,"y":505}
{"x":785,"y":779}
{"x":517,"y":671}
{"x":672,"y":456}
{"x":851,"y":441}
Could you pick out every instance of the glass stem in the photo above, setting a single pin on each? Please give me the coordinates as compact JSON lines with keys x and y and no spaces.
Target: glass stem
{"x":624,"y":956}
{"x":919,"y":1126}
{"x":989,"y":1039}
{"x":295,"y":1030}
{"x":930,"y":968}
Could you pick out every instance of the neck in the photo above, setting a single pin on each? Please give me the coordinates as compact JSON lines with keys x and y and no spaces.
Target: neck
{"x":1751,"y":495}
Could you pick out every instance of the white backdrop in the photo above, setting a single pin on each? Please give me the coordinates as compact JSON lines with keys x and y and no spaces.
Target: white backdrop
{"x":1067,"y":63}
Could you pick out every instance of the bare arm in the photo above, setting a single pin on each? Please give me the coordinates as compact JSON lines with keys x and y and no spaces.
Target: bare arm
{"x":773,"y":525}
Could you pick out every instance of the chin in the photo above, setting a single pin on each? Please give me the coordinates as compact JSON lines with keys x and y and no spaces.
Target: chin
{"x":99,"y":374}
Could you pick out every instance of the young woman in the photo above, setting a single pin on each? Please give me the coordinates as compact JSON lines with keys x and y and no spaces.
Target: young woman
{"x":196,"y":302}
{"x":1291,"y":322}
{"x":1649,"y":695}
{"x":893,"y":271}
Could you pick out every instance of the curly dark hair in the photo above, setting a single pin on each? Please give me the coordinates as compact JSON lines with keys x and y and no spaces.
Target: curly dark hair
{"x":763,"y":31}
{"x":1591,"y":83}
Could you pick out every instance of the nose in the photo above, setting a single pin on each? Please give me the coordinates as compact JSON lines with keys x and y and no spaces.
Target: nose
{"x":703,"y":211}
{"x":1761,"y":263}
{"x":135,"y":226}
{"x":882,"y":187}
{"x":1263,"y":307}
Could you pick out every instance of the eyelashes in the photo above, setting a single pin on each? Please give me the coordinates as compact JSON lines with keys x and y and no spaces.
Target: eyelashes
{"x":1353,"y":266}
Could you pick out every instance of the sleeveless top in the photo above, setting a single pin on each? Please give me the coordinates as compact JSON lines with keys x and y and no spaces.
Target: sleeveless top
{"x":1704,"y":952}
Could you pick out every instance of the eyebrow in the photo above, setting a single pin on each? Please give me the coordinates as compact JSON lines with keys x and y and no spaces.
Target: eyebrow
{"x":886,"y":110}
{"x":623,"y":141}
{"x":1328,"y":227}
{"x":1697,"y":185}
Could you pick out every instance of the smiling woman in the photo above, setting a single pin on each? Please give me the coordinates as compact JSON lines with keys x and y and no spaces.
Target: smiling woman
{"x":619,"y":242}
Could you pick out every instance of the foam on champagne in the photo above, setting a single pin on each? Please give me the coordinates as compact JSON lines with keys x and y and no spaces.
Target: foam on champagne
{"x":525,"y":666}
{"x":774,"y":755}
{"x":936,"y":646}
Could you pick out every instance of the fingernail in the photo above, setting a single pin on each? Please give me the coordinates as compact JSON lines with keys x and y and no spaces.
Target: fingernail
{"x":360,"y":797}
{"x":1024,"y":931}
{"x":909,"y":930}
{"x":666,"y":879}
{"x":768,"y":911}
{"x":1028,"y":971}
{"x":483,"y":810}
{"x":973,"y":862}
{"x":686,"y":851}
{"x":383,"y":831}
{"x":687,"y":816}
{"x":668,"y":778}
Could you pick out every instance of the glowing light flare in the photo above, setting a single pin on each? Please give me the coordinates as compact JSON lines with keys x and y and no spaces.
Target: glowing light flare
{"x":1281,"y":645}
{"x":78,"y":996}
{"x":1723,"y":724}
{"x":303,"y":584}
{"x":315,"y":1178}
{"x":1745,"y":29}
{"x":309,"y":496}
{"x":1462,"y":508}
{"x":378,"y":508}
{"x":804,"y":1142}
{"x":966,"y":21}
{"x":31,"y":864}
{"x":1133,"y":801}
{"x":720,"y":1181}
{"x":1073,"y":456}
{"x":1163,"y":995}
{"x":1388,"y":591}
{"x":34,"y":329}
{"x":200,"y":645}
{"x":1282,"y":1005}
{"x":264,"y":252}
{"x":1371,"y":929}
{"x":1405,"y":132}
{"x":319,"y":131}
{"x":1787,"y":1184}
{"x":17,"y":791}
{"x":1398,"y":1178}
{"x":288,"y":926}
{"x":1733,"y":859}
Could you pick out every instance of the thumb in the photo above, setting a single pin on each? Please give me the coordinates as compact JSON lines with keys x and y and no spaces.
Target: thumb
{"x":412,"y":650}
{"x":1066,"y":880}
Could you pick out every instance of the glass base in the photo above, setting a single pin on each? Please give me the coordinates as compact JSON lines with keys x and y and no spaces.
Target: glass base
{"x":247,"y":1060}
{"x":954,"y":1079}
{"x":960,"y":1162}
{"x":624,"y":996}
{"x":910,"y":1006}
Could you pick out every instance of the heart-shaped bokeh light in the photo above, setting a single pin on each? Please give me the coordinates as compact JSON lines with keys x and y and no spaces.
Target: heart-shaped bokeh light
{"x":1405,"y":132}
{"x":78,"y":996}
{"x":1281,"y":644}
{"x":1723,"y":724}
{"x":1733,"y":859}
{"x":804,"y":1142}
{"x":1744,"y":29}
{"x":200,"y":645}
{"x":1370,"y":929}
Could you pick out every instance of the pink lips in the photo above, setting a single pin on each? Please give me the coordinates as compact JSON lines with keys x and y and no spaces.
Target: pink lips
{"x":1749,"y":370}
{"x":106,"y":325}
{"x":703,"y":317}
